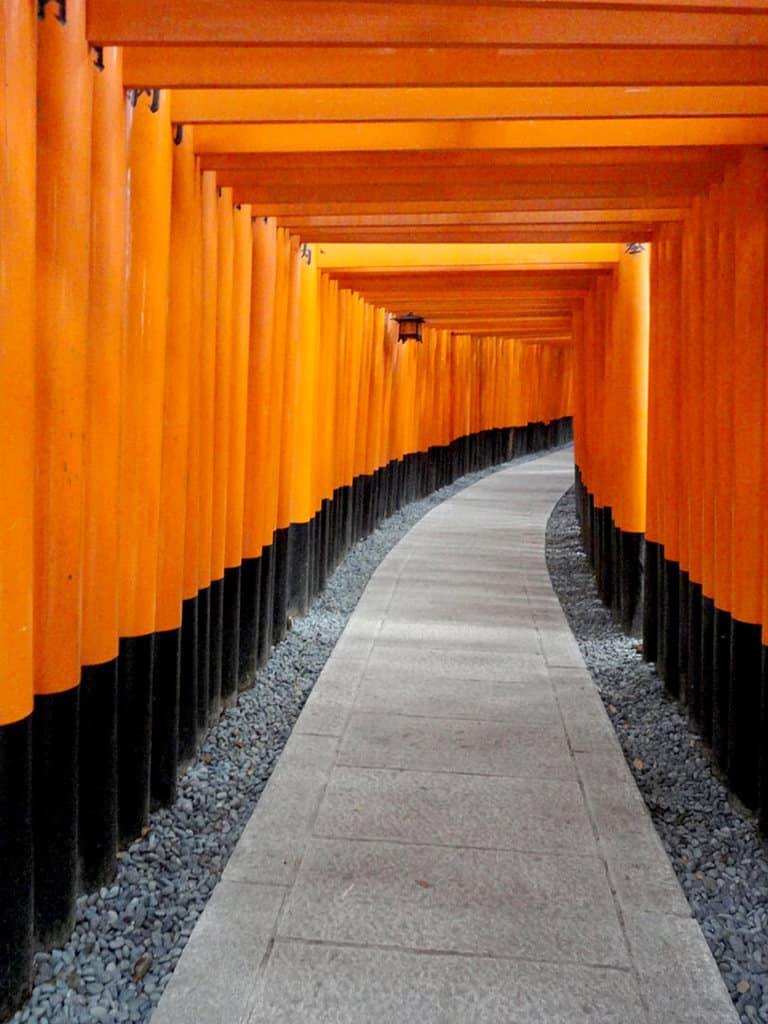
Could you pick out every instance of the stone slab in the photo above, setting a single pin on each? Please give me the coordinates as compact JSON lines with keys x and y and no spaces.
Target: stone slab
{"x":522,"y":750}
{"x":341,"y":985}
{"x":483,"y":902}
{"x":678,"y":977}
{"x":524,"y":703}
{"x":214,"y":982}
{"x":456,"y":810}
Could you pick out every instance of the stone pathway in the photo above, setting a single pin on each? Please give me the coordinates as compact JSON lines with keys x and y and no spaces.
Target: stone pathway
{"x":451,"y":835}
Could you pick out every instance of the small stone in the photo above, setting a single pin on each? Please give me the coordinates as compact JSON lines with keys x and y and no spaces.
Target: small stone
{"x":743,"y":986}
{"x":141,"y":967}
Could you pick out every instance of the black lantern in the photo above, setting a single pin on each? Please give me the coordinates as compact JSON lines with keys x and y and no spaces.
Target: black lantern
{"x":409,"y":327}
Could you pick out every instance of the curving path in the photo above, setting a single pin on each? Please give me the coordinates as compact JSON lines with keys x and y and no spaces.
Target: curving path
{"x":451,"y":834}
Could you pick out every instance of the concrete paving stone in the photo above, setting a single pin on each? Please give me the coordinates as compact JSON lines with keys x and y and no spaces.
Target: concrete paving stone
{"x":429,"y":575}
{"x":678,"y":976}
{"x":327,"y":708}
{"x":642,"y":876}
{"x":363,"y":627}
{"x":586,"y":721}
{"x":487,"y":812}
{"x":214,"y":981}
{"x":309,"y":751}
{"x":326,"y":713}
{"x":451,"y":543}
{"x":272,"y":844}
{"x":473,"y":614}
{"x":564,"y":679}
{"x":560,"y":647}
{"x":464,"y":606}
{"x":375,"y":602}
{"x":530,"y":704}
{"x":374,"y":740}
{"x":343,"y":985}
{"x":486,"y":902}
{"x":466,"y":637}
{"x":502,"y":591}
{"x":388,"y":662}
{"x":599,"y":768}
{"x":352,"y":648}
{"x":618,"y":809}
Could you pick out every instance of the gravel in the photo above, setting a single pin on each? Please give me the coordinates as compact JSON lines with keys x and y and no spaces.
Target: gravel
{"x":714,"y":845}
{"x":129,"y":935}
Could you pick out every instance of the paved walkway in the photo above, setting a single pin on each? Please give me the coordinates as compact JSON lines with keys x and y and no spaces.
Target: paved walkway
{"x":451,"y":835}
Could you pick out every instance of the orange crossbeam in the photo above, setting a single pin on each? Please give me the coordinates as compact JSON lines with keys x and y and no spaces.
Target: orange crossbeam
{"x":333,"y":22}
{"x":484,"y":134}
{"x":335,"y":66}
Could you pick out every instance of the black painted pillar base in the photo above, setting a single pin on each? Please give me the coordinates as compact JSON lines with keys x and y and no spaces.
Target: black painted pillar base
{"x":266,"y":603}
{"x":707,"y":668}
{"x":763,"y":746}
{"x":668,"y":660}
{"x":280,"y":589}
{"x":324,"y":544}
{"x":693,"y":657}
{"x":166,"y":669}
{"x":134,"y":734}
{"x":250,"y":602}
{"x":97,"y":831}
{"x":630,"y":577}
{"x":614,"y":570}
{"x":744,"y":711}
{"x":721,"y":685}
{"x":650,"y":600}
{"x":230,"y":648}
{"x":54,"y":814}
{"x":298,"y":568}
{"x":216,"y":641}
{"x":16,"y":908}
{"x":682,"y":639}
{"x":188,"y":681}
{"x":203,"y":659}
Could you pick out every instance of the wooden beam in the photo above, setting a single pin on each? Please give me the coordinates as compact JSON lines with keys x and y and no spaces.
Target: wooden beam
{"x":508,"y":234}
{"x":375,"y":207}
{"x":426,"y":190}
{"x":397,"y":23}
{"x":424,"y":135}
{"x":479,"y":103}
{"x":544,"y":217}
{"x":472,"y":157}
{"x":678,"y":177}
{"x":197,"y":67}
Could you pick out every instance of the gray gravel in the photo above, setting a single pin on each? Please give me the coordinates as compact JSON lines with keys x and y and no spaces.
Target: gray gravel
{"x":715,"y":847}
{"x":130,"y":935}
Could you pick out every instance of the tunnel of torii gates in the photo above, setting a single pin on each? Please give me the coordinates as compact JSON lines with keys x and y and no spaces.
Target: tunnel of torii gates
{"x":210,"y":216}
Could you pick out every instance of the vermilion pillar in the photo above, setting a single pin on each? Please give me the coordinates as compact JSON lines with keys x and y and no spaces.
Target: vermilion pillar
{"x":237,"y":404}
{"x":17,"y":455}
{"x":64,"y":100}
{"x":174,"y":481}
{"x":101,"y":526}
{"x":142,"y":443}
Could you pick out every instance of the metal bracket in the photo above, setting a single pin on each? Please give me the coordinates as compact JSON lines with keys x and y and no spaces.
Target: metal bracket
{"x":154,"y":94}
{"x":98,"y":57}
{"x":178,"y":134}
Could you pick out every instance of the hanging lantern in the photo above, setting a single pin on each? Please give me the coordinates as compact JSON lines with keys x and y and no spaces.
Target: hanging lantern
{"x":634,"y":248}
{"x":409,"y":327}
